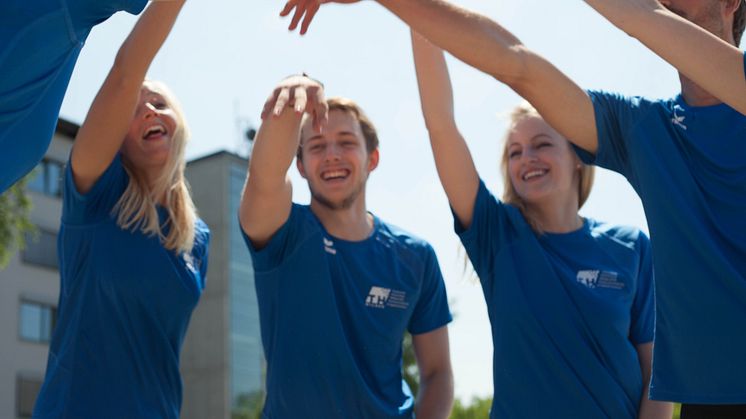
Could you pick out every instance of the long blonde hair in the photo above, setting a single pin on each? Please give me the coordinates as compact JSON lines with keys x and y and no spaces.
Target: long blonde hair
{"x":137,"y":207}
{"x":510,"y":196}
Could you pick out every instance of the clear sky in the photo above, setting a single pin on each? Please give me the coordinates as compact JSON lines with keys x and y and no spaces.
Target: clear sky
{"x":224,"y":58}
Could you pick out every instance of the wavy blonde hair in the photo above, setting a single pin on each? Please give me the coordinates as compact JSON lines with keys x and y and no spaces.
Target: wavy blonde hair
{"x":137,"y":207}
{"x":510,"y":196}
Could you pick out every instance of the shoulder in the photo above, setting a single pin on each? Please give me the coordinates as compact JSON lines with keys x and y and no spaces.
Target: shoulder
{"x":202,"y":231}
{"x":622,"y":235}
{"x":401,"y":240}
{"x":603,"y":98}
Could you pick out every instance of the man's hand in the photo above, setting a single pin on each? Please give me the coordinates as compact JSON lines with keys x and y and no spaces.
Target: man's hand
{"x":306,"y":9}
{"x":303,"y":94}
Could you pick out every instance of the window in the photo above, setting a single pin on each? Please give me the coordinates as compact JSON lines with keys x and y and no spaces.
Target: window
{"x":48,"y":178}
{"x":26,"y":391}
{"x":36,"y":322}
{"x":41,"y":250}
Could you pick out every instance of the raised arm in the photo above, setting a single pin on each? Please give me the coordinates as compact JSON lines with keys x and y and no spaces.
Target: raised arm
{"x":435,"y":398}
{"x":106,"y":125}
{"x":710,"y":62}
{"x":487,"y":46}
{"x":267,"y":195}
{"x":452,"y":157}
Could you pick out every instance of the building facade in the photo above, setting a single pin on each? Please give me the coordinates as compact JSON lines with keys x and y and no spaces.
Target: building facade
{"x":221,"y":361}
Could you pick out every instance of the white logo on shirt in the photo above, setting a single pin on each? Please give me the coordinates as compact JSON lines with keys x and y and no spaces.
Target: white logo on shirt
{"x":588,"y":278}
{"x":329,"y":246}
{"x":189,"y":261}
{"x":380,"y":297}
{"x":600,"y":279}
{"x":678,"y":120}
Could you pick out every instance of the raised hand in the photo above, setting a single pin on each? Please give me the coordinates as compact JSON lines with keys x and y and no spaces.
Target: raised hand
{"x":305,"y":9}
{"x":303,"y":94}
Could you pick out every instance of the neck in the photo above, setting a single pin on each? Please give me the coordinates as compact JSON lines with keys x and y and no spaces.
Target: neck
{"x":557,"y":217}
{"x":694,"y":95}
{"x":351,"y":224}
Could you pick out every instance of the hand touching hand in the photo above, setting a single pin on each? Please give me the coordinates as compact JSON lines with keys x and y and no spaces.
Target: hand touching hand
{"x":303,"y":94}
{"x":306,"y":9}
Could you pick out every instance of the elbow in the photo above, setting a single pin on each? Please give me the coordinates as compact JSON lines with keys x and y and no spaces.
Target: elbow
{"x":515,"y":71}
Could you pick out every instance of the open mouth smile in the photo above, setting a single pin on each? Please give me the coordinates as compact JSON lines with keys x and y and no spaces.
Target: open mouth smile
{"x":534,"y":174}
{"x":156,"y":132}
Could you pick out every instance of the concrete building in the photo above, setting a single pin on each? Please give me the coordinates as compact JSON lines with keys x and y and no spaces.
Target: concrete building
{"x":222,"y":362}
{"x":222,"y":359}
{"x":30,"y":287}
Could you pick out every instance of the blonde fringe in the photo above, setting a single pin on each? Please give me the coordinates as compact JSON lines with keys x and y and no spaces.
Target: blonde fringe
{"x":137,"y":207}
{"x":510,"y":196}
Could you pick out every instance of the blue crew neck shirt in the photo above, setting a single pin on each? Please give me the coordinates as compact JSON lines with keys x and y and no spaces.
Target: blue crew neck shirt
{"x":333,"y":314}
{"x":566,"y":311}
{"x":40,"y":41}
{"x":688,"y":164}
{"x":124,"y":307}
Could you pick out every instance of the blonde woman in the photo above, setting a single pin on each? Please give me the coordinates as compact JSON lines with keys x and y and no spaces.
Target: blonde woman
{"x":570,"y":299}
{"x":133,"y":252}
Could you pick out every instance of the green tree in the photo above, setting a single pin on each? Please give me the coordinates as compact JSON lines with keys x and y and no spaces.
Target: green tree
{"x":15,"y":208}
{"x":477,"y":409}
{"x":248,"y":406}
{"x":409,"y":365}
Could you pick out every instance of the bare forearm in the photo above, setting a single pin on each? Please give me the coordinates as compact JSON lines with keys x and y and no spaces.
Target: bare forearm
{"x":436,"y":92}
{"x":274,"y":149}
{"x":139,"y":49}
{"x":435,"y":398}
{"x":471,"y":37}
{"x":712,"y":63}
{"x":452,"y":157}
{"x":651,"y":409}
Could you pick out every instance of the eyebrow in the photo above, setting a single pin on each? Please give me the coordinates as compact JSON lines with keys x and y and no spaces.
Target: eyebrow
{"x":541,"y":134}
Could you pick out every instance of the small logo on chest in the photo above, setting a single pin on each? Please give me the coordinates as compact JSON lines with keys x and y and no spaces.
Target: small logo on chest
{"x":329,"y":246}
{"x":380,"y":297}
{"x":678,"y":120}
{"x":189,"y":262}
{"x":600,"y":279}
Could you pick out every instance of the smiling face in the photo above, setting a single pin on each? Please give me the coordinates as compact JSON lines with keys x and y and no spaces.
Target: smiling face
{"x":151,"y":132}
{"x":336,"y":163}
{"x":541,"y":164}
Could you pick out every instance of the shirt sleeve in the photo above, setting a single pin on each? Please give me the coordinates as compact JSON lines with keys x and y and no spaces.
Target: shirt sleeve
{"x":98,"y":203}
{"x":203,"y":256}
{"x":133,"y":6}
{"x":642,"y":323}
{"x":431,"y":311}
{"x":491,"y":228}
{"x":283,"y":243}
{"x":616,"y":117}
{"x":85,"y":14}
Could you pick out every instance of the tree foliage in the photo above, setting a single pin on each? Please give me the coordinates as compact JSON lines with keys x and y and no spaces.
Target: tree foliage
{"x":477,"y":409}
{"x":15,"y":208}
{"x":248,"y":406}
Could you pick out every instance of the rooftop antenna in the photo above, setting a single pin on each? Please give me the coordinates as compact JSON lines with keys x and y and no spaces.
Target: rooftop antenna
{"x":245,"y":132}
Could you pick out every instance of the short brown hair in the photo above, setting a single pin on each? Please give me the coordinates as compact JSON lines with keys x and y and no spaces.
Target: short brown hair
{"x":739,"y":22}
{"x":366,"y":126}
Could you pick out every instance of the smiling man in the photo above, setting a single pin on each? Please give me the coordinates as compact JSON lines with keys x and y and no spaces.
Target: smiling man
{"x":685,"y":156}
{"x":337,"y":286}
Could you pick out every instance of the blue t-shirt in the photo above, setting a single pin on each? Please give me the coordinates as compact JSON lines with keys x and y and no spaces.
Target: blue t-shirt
{"x":333,"y":314}
{"x":39,"y":44}
{"x":125,"y":303}
{"x":566,"y":312}
{"x":688,"y":164}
